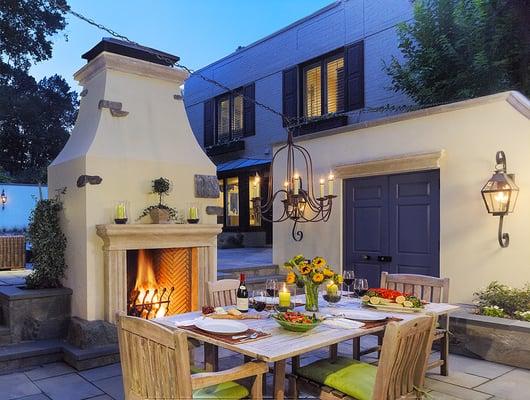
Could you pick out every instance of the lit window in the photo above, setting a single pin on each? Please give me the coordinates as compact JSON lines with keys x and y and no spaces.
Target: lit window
{"x":335,"y":85}
{"x":232,"y":202}
{"x":312,"y":91}
{"x":223,"y":120}
{"x":237,"y":114}
{"x":254,"y":217}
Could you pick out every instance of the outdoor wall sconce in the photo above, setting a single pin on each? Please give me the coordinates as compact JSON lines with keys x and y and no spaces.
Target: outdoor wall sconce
{"x":500,"y":195}
{"x":3,"y":198}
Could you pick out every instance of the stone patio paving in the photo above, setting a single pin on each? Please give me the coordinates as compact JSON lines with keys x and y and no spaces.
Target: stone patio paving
{"x":243,"y":257}
{"x":470,"y":379}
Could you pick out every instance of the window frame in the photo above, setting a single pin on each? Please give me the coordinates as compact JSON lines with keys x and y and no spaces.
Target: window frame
{"x":231,"y":133}
{"x":321,"y":61}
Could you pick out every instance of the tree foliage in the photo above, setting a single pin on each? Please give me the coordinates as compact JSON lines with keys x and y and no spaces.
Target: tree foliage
{"x":35,"y":117}
{"x":48,"y":245}
{"x":459,"y":49}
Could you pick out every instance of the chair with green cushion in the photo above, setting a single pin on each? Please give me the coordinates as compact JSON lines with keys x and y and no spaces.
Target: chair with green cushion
{"x":400,"y":373}
{"x":156,"y":365}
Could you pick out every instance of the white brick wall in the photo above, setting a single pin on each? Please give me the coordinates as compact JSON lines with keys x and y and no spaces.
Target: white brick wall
{"x":341,"y":23}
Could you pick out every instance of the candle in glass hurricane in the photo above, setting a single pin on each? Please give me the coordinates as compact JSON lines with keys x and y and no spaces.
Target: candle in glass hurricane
{"x":284,"y":297}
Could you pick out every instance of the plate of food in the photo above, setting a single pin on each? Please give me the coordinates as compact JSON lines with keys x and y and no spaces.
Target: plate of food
{"x":296,"y":321}
{"x":392,"y":300}
{"x":221,"y":326}
{"x":228,"y":313}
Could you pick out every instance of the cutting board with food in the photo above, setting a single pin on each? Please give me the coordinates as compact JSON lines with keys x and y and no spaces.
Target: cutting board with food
{"x":230,"y":313}
{"x":392,"y":300}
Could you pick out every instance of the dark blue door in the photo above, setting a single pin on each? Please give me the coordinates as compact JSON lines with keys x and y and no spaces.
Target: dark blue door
{"x":392,"y":223}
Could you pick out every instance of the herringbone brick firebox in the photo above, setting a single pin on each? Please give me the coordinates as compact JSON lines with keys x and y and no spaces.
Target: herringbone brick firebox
{"x":161,"y":281}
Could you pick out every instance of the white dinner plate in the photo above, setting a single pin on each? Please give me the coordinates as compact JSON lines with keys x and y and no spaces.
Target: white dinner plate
{"x":364,"y":315}
{"x":221,"y":326}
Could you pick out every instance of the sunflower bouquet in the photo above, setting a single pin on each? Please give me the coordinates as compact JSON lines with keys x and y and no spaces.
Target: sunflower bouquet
{"x":309,"y":274}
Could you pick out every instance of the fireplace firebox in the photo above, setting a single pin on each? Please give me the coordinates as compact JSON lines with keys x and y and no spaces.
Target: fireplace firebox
{"x":161,"y":282}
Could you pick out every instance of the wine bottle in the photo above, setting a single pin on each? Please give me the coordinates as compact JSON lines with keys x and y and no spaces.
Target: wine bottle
{"x":242,"y":295}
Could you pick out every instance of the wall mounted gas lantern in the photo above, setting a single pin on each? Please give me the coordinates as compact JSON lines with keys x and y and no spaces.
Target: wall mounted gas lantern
{"x":500,"y":195}
{"x":3,"y":198}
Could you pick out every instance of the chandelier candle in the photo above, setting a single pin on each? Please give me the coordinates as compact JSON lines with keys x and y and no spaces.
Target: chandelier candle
{"x":321,"y":188}
{"x":331,"y":178}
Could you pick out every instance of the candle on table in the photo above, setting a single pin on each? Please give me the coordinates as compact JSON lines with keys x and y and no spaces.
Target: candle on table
{"x":332,"y":289}
{"x":284,"y":297}
{"x":330,"y":184}
{"x":321,"y":187}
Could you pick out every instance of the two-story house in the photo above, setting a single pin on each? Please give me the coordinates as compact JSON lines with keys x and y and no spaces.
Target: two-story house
{"x":328,"y":64}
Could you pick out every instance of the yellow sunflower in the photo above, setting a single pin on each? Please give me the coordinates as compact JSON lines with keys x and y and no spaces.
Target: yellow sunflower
{"x":318,"y":277}
{"x":304,"y":268}
{"x":319,"y":262}
{"x":328,"y":273}
{"x":339,"y":279}
{"x":291,"y":278}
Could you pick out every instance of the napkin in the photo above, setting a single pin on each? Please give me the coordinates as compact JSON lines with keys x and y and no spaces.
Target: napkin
{"x":187,"y":322}
{"x":342,"y":323}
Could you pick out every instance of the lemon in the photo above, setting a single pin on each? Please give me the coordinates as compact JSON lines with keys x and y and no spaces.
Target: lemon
{"x":365,"y":299}
{"x":400,"y":299}
{"x":385,"y":301}
{"x":375,"y":300}
{"x":407,"y":304}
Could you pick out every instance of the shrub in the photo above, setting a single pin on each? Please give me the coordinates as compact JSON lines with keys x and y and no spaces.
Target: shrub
{"x":48,"y":245}
{"x":498,"y":300}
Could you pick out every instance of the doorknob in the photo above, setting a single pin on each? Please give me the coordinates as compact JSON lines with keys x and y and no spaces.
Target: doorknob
{"x":384,"y":258}
{"x":365,"y":257}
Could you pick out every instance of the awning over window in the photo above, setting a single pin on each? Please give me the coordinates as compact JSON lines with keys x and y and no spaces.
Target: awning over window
{"x":241,"y":163}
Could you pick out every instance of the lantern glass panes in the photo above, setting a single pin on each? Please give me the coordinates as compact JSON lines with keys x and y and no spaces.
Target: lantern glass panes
{"x":500,"y":194}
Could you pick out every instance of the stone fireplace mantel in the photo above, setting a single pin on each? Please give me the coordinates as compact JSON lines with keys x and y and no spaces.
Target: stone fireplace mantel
{"x":117,"y":239}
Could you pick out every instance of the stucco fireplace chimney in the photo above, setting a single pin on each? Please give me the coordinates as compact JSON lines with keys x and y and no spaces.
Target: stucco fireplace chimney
{"x":131,"y":128}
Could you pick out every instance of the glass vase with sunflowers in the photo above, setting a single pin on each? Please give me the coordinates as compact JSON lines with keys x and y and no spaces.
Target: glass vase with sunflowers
{"x":310,"y":274}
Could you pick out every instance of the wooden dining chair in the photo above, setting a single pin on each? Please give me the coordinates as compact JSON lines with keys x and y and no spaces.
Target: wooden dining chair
{"x":432,"y":290}
{"x":222,"y":293}
{"x":400,"y":373}
{"x":155,"y":365}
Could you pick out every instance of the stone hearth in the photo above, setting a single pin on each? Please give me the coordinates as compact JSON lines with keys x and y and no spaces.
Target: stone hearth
{"x":117,"y":239}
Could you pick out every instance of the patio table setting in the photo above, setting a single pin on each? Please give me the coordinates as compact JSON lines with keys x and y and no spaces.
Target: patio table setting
{"x":269,"y":336}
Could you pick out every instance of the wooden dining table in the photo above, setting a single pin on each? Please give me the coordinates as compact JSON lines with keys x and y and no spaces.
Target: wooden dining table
{"x":282,"y":345}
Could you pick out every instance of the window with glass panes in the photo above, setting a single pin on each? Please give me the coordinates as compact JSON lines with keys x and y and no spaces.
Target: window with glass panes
{"x":323,"y":85}
{"x":229,"y":117}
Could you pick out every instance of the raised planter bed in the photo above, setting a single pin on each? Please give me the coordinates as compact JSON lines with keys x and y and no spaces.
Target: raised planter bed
{"x":499,"y":340}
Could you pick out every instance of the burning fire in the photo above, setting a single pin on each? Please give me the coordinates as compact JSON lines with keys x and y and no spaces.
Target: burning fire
{"x":147,"y":287}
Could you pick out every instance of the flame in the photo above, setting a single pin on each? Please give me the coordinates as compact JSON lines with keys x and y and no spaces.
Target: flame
{"x":146,"y":284}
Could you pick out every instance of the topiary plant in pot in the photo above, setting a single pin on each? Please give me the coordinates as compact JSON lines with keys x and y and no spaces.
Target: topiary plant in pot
{"x":48,"y":245}
{"x":160,"y":213}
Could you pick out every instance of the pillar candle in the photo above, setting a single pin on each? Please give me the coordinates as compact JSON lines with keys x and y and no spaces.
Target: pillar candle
{"x":296,"y":184}
{"x":284,"y":297}
{"x":194,"y":213}
{"x":321,"y":187}
{"x":330,"y":184}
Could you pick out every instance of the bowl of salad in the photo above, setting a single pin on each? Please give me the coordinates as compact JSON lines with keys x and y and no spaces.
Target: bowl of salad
{"x":296,"y":321}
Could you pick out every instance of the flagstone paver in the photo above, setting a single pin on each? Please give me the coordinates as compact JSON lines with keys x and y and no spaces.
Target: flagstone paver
{"x":514,"y":385}
{"x":470,"y":379}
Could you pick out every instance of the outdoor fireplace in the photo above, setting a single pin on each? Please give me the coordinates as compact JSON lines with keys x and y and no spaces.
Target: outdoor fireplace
{"x":132,"y":128}
{"x":161,"y":282}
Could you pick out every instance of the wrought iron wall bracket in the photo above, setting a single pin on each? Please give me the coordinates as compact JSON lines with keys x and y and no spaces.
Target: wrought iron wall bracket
{"x":504,"y":238}
{"x":114,"y":107}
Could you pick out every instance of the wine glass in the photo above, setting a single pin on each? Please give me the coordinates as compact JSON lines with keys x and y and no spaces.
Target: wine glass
{"x":349,"y":276}
{"x":360,"y":287}
{"x":271,"y":286}
{"x":332,"y":294}
{"x":259,"y":300}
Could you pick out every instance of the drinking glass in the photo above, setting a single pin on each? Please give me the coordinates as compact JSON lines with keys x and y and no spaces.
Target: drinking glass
{"x":360,"y":287}
{"x":271,"y":287}
{"x":259,"y":300}
{"x":349,"y":276}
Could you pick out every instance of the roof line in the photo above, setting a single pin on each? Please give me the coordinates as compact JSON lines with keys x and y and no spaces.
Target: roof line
{"x":276,"y":33}
{"x":516,"y":99}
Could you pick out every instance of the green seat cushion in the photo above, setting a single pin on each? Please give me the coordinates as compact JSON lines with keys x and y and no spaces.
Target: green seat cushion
{"x":226,"y":390}
{"x":351,"y":377}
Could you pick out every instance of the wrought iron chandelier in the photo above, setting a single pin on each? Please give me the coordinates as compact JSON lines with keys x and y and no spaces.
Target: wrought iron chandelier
{"x":300,"y":203}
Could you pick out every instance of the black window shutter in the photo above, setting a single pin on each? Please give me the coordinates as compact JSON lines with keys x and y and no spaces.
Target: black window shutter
{"x":290,"y":93}
{"x":208,"y":126}
{"x":354,"y":57}
{"x":249,"y":110}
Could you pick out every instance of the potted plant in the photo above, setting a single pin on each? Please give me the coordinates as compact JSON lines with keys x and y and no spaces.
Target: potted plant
{"x":160,"y":213}
{"x":310,"y":274}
